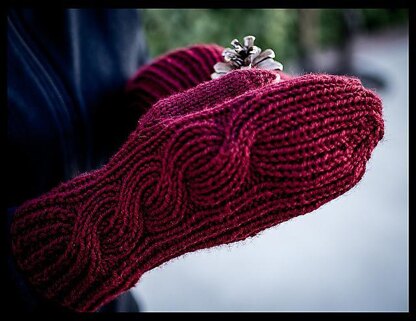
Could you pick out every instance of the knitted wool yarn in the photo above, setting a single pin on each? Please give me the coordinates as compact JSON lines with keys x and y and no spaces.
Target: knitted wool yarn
{"x":171,"y":73}
{"x":207,"y":166}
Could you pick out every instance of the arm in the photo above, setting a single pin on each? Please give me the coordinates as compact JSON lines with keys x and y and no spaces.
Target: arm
{"x":205,"y":166}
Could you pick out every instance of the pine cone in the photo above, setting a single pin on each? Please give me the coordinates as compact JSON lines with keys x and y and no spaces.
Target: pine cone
{"x":244,"y":57}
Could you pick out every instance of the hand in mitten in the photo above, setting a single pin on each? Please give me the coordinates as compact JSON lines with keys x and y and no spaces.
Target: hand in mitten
{"x":169,"y":74}
{"x":172,"y":73}
{"x":206,"y":166}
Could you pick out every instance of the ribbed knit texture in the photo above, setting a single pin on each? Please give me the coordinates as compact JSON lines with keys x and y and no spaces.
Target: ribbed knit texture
{"x":171,"y":73}
{"x":211,"y":165}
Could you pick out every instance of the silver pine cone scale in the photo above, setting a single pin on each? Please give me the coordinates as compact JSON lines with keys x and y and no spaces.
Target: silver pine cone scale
{"x":245,"y":56}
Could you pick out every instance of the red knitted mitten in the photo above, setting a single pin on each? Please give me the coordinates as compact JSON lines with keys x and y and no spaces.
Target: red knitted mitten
{"x":211,"y":165}
{"x":171,"y":73}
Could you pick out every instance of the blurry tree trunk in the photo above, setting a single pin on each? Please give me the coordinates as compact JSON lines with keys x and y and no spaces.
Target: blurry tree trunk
{"x":352,"y":22}
{"x":308,"y":32}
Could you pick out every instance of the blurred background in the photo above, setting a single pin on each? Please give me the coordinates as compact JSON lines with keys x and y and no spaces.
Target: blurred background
{"x":294,"y":34}
{"x":352,"y":253}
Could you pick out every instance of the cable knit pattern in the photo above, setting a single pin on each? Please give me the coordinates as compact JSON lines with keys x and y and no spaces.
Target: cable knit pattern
{"x":211,"y":165}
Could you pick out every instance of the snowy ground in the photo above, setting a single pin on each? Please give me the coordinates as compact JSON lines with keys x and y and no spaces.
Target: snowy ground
{"x":349,"y":255}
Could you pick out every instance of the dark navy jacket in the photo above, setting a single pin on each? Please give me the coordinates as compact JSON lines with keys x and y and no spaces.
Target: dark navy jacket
{"x":66,"y":70}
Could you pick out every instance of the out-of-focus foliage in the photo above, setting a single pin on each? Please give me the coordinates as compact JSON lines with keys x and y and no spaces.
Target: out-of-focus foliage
{"x":171,"y":28}
{"x":376,"y":18}
{"x":167,"y":29}
{"x":370,"y":19}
